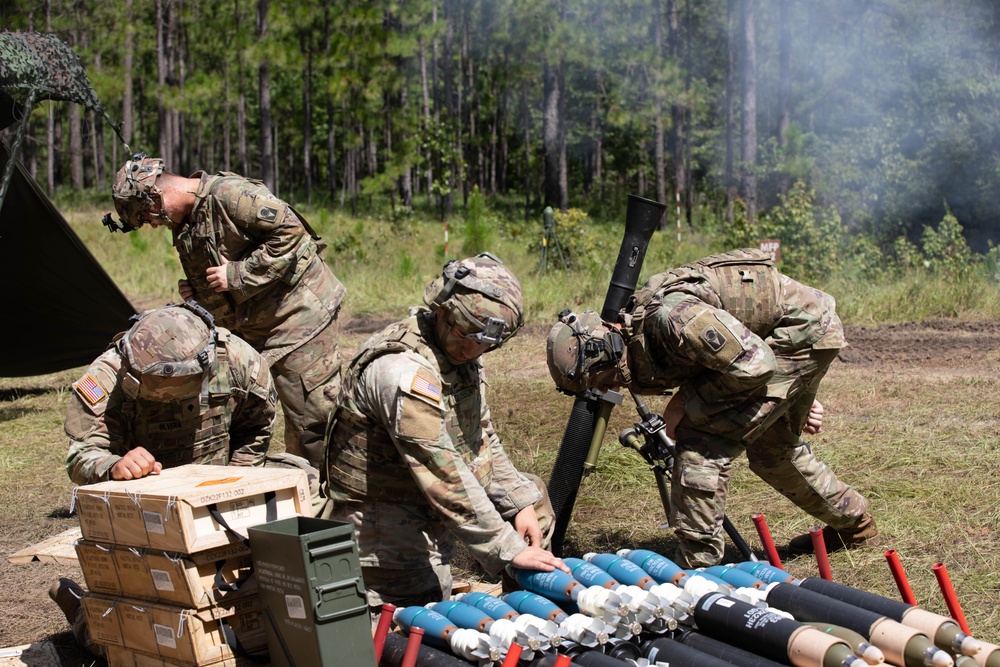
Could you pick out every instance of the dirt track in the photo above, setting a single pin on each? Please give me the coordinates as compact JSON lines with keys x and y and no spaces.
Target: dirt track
{"x":925,"y":348}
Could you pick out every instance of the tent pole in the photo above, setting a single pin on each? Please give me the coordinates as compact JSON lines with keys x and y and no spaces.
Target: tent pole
{"x":15,"y":148}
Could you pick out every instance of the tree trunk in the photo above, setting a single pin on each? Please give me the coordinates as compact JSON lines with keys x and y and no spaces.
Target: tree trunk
{"x":784,"y":72}
{"x":729,"y":177}
{"x":659,"y":157}
{"x":128,"y":101}
{"x":162,"y":8}
{"x":425,"y":89}
{"x":307,"y":137}
{"x":75,"y":148}
{"x":264,"y":92}
{"x":550,"y":136}
{"x":331,"y":128}
{"x":749,"y":127}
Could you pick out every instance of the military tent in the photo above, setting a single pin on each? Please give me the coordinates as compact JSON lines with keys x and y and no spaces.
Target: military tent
{"x":62,"y":307}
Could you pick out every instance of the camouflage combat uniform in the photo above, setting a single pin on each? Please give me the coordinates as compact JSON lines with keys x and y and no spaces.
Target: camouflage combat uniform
{"x":106,"y":417}
{"x":283,"y":299}
{"x":748,"y":347}
{"x":405,"y":407}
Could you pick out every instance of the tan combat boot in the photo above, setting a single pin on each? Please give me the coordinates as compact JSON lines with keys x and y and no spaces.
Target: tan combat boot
{"x":67,"y":593}
{"x":864,"y":534}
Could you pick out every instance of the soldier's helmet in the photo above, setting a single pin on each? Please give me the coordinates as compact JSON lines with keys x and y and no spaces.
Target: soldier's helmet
{"x":580,"y":347}
{"x":170,"y":351}
{"x":133,"y":190}
{"x":480,"y":296}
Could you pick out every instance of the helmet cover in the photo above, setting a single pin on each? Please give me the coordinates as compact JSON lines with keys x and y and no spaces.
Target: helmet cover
{"x":579,"y":347}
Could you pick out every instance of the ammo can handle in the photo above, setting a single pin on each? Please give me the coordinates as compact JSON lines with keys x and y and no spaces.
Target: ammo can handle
{"x":354,"y":582}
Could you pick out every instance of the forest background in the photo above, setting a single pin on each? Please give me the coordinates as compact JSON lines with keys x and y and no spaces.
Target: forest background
{"x":862,"y":134}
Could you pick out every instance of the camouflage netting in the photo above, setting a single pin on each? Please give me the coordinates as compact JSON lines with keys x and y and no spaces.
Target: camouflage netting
{"x":43,"y":63}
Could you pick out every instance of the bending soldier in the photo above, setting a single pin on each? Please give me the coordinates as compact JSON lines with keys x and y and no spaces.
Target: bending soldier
{"x":252,"y":261}
{"x":747,"y":347}
{"x":173,"y":389}
{"x":412,"y":456}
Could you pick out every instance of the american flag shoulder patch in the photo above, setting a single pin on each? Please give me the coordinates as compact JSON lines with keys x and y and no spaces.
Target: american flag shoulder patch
{"x":91,"y":390}
{"x":425,"y":384}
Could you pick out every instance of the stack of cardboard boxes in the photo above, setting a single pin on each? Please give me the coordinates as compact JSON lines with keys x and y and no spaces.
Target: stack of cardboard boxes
{"x":168,"y":567}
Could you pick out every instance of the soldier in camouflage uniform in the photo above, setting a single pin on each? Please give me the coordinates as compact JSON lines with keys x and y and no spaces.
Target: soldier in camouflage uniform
{"x":747,"y":347}
{"x":254,"y":263}
{"x":412,"y":457}
{"x":173,"y":389}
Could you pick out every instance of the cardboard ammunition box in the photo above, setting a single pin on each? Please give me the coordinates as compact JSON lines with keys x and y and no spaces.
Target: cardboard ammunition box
{"x":186,"y":509}
{"x":159,"y":576}
{"x":310,"y":586}
{"x":122,"y":657}
{"x":177,"y":634}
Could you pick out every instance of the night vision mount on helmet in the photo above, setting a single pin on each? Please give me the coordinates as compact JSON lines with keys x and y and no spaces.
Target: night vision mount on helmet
{"x":481,"y":296}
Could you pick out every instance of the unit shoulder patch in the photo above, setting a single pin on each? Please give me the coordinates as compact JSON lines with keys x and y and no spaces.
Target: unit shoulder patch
{"x":713,"y":340}
{"x":267,"y":213}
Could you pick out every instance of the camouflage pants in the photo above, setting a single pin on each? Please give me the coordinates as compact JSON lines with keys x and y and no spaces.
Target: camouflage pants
{"x":433,"y":583}
{"x":778,"y":455}
{"x":308,"y":381}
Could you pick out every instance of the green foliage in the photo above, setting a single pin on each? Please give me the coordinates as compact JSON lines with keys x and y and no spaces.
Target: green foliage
{"x":945,"y":248}
{"x":480,"y":225}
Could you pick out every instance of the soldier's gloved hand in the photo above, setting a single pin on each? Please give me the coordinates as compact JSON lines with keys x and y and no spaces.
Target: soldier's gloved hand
{"x":814,"y":423}
{"x":185,"y":289}
{"x":536,"y":558}
{"x":526,"y":524}
{"x":217,"y":278}
{"x":135,"y":464}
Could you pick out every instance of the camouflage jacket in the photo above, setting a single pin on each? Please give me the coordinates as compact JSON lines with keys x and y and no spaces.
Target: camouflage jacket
{"x":232,"y":427}
{"x":281,"y":292}
{"x":726,"y":329}
{"x":405,"y":407}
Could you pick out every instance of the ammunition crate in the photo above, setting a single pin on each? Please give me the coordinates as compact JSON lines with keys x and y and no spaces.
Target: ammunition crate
{"x":122,"y":657}
{"x":179,"y":510}
{"x":168,"y":578}
{"x":176,"y":634}
{"x":313,"y":598}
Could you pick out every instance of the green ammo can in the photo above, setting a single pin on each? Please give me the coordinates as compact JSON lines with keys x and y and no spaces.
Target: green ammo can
{"x":310,"y":587}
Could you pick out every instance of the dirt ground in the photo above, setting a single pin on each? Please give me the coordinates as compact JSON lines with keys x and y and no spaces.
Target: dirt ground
{"x":933,"y":347}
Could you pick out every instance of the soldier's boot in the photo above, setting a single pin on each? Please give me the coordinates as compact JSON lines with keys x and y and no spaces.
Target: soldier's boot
{"x":862,"y":534}
{"x":67,"y":594}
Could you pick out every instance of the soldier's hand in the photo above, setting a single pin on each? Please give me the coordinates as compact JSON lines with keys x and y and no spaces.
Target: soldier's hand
{"x":536,"y":558}
{"x":814,"y":423}
{"x":185,"y":289}
{"x":135,"y":464}
{"x":672,"y":415}
{"x":216,"y":275}
{"x":526,"y":524}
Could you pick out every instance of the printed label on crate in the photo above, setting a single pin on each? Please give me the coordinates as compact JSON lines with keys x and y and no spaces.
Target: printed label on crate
{"x":162,"y":580}
{"x":240,"y":509}
{"x":165,"y":635}
{"x":153,"y":521}
{"x":296,"y":607}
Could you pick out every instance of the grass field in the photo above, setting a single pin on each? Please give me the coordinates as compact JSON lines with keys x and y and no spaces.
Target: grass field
{"x":912,"y":423}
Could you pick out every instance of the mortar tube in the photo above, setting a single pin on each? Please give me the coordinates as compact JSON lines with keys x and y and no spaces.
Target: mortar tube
{"x":862,"y":648}
{"x":623,"y":649}
{"x":768,"y":634}
{"x":760,"y":523}
{"x":600,"y":426}
{"x":395,"y":651}
{"x":901,"y":644}
{"x":899,"y":576}
{"x":384,"y":623}
{"x":819,"y":549}
{"x":720,"y":649}
{"x":954,"y":608}
{"x":943,"y":630}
